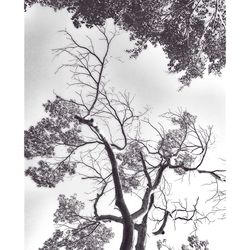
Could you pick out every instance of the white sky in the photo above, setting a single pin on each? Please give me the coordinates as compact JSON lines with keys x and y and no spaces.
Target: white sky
{"x":145,"y":77}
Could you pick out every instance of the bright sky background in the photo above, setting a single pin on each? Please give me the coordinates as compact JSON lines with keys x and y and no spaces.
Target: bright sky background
{"x":145,"y":77}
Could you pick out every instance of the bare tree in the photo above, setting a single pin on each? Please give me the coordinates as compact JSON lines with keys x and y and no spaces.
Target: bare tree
{"x":100,"y":137}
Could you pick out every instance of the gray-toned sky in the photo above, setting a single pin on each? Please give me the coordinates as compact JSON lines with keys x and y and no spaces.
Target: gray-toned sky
{"x":146,"y":77}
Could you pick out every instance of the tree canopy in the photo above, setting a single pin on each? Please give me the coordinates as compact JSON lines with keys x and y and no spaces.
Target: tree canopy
{"x":99,"y":136}
{"x":192,"y":33}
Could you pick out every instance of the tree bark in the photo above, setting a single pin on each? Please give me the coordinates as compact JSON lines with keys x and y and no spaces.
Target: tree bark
{"x":142,"y":228}
{"x":142,"y":233}
{"x":128,"y":225}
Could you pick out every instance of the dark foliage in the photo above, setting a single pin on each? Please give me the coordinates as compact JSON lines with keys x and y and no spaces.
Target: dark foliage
{"x":77,"y":232}
{"x":194,"y":243}
{"x":192,"y":33}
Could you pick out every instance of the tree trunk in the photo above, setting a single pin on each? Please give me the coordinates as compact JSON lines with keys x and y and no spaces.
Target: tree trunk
{"x":142,"y":228}
{"x":142,"y":233}
{"x":141,"y":238}
{"x":128,"y":225}
{"x":128,"y":230}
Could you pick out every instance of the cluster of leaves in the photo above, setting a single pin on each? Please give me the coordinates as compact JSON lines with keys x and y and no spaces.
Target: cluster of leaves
{"x":60,"y":128}
{"x":194,"y":37}
{"x":171,"y":142}
{"x":128,"y":181}
{"x":130,"y":167}
{"x":174,"y":138}
{"x":175,"y":141}
{"x":46,"y":176}
{"x":131,"y":157}
{"x":185,"y":120}
{"x":185,"y":159}
{"x":195,"y":244}
{"x":160,"y":244}
{"x":78,"y":232}
{"x":192,"y":33}
{"x":69,"y":209}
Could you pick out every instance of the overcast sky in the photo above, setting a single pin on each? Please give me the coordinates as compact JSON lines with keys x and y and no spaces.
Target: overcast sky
{"x":146,"y":77}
